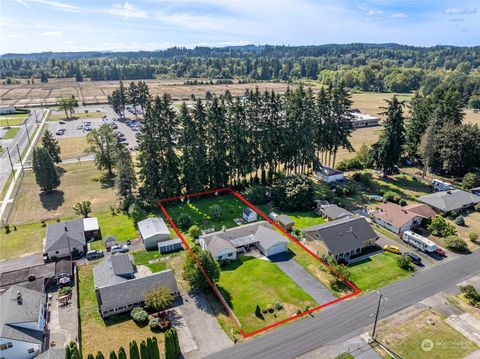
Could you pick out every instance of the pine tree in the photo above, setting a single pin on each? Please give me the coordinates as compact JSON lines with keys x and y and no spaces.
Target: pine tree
{"x":134,"y":353}
{"x":46,"y":174}
{"x":118,"y":100}
{"x":420,"y":116}
{"x":342,"y":120}
{"x":152,"y":345}
{"x":143,"y":95}
{"x":90,"y":356}
{"x":72,"y":352}
{"x":133,"y":95}
{"x":99,"y":355}
{"x":113,"y":355}
{"x":121,"y":353}
{"x":199,"y":117}
{"x":52,"y":146}
{"x":125,"y":179}
{"x":218,"y":144}
{"x":144,"y":350}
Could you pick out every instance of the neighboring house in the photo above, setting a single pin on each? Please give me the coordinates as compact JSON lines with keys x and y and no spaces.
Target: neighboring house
{"x":328,"y":174}
{"x":152,"y":231}
{"x":333,"y":212}
{"x":7,"y":109}
{"x":91,"y":228}
{"x":119,"y":287}
{"x":448,"y":201}
{"x":170,"y":246}
{"x":110,"y":241}
{"x":360,"y":119}
{"x":285,"y":222}
{"x":230,"y":242}
{"x":343,"y":238}
{"x":22,"y":323}
{"x":249,"y":215}
{"x":395,"y":218}
{"x":421,"y":210}
{"x":64,"y":238}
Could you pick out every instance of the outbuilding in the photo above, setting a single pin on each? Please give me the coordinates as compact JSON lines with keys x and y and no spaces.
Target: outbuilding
{"x":91,"y":228}
{"x":170,"y":246}
{"x":329,"y":175}
{"x":152,"y":231}
{"x":249,"y":215}
{"x":285,"y":222}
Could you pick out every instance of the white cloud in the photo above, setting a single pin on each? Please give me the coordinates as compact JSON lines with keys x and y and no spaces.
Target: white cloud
{"x":398,"y":15}
{"x":456,"y":20}
{"x":52,"y":33}
{"x":458,"y":11}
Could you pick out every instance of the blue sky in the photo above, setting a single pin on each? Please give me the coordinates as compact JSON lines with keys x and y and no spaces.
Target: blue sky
{"x":78,"y":25}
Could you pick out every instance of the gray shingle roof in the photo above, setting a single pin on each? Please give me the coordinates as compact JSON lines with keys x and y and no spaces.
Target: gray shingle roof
{"x":284,"y":220}
{"x":152,"y":226}
{"x":217,"y":244}
{"x":121,"y":264}
{"x":342,"y":235}
{"x":59,"y":233}
{"x":247,"y":211}
{"x":334,"y":212}
{"x":133,"y":290}
{"x":451,"y":200}
{"x":103,"y":273}
{"x":13,"y":312}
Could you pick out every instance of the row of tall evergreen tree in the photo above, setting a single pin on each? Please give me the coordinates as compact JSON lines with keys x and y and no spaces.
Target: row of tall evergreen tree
{"x":226,"y":140}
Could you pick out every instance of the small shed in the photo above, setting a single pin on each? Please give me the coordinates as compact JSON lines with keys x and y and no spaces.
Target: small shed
{"x":170,"y":246}
{"x":285,"y":222}
{"x":110,"y":241}
{"x":91,"y":228}
{"x":249,"y":215}
{"x":152,"y":231}
{"x":329,"y":175}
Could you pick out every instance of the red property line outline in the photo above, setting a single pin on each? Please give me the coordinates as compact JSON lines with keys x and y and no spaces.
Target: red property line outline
{"x":160,"y":203}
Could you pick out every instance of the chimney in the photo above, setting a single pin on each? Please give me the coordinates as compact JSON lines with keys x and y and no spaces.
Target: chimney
{"x":19,"y":298}
{"x":66,"y":229}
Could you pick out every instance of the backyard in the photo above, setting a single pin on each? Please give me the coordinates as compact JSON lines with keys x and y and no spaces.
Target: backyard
{"x":250,"y":281}
{"x":97,"y":334}
{"x":376,"y":271}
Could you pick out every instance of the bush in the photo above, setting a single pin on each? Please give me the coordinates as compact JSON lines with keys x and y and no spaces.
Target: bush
{"x":477,"y":207}
{"x":257,"y":194}
{"x":460,"y":221}
{"x":453,"y":214}
{"x":390,"y":196}
{"x":194,"y":231}
{"x":350,"y":164}
{"x":405,"y":262}
{"x":216,"y":212}
{"x":65,"y":290}
{"x":293,"y":193}
{"x":184,"y":220}
{"x":337,"y":201}
{"x":471,"y":180}
{"x":440,"y":227}
{"x":402,"y":202}
{"x":139,"y":315}
{"x":278,"y":306}
{"x":363,"y":178}
{"x":154,"y":323}
{"x":270,"y":308}
{"x":159,"y":298}
{"x":258,"y":312}
{"x":456,"y":244}
{"x":473,"y":236}
{"x":471,"y":293}
{"x":7,"y":229}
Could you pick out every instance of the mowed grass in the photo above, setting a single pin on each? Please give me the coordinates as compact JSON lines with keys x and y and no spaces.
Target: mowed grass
{"x":249,"y":281}
{"x":99,"y":335}
{"x":11,"y":132}
{"x":155,"y":260}
{"x":76,"y":116}
{"x":13,"y":119}
{"x":406,"y":338}
{"x":376,"y":272}
{"x":79,"y":182}
{"x":72,"y":147}
{"x":119,"y":225}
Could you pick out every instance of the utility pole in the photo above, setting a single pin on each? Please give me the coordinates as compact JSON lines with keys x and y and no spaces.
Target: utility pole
{"x":10,"y":159}
{"x":20,"y":156}
{"x":28,"y":135}
{"x":376,"y":315}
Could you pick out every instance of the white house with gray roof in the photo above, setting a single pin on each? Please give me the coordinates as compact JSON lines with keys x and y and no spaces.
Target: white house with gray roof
{"x":119,"y":287}
{"x":452,"y":200}
{"x":22,"y":322}
{"x":63,"y":238}
{"x":152,"y":231}
{"x":230,"y":242}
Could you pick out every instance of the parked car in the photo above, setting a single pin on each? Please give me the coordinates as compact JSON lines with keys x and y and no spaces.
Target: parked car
{"x":60,"y":132}
{"x":62,"y":122}
{"x":114,"y":125}
{"x":415,"y":258}
{"x":91,"y":255}
{"x":392,"y":249}
{"x":439,"y":251}
{"x":119,"y":249}
{"x":79,"y":127}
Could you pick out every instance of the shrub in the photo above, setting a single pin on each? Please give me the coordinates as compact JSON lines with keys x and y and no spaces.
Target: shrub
{"x":65,"y":290}
{"x":216,"y":212}
{"x":154,"y":323}
{"x":460,"y":221}
{"x":7,"y":229}
{"x":293,"y":193}
{"x":477,"y":207}
{"x":139,"y":315}
{"x":278,"y":306}
{"x":456,"y":244}
{"x":337,"y":201}
{"x":390,"y":196}
{"x":184,"y":220}
{"x":258,"y":312}
{"x":471,"y":180}
{"x":363,"y":178}
{"x":350,"y":164}
{"x":471,"y":293}
{"x":440,"y":227}
{"x":159,"y":298}
{"x":257,"y":194}
{"x":270,"y":308}
{"x":453,"y":214}
{"x":405,"y":262}
{"x":194,"y":231}
{"x":473,"y":236}
{"x":402,"y":202}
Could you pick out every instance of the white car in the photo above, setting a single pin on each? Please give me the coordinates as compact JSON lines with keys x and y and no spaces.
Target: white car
{"x":119,"y":249}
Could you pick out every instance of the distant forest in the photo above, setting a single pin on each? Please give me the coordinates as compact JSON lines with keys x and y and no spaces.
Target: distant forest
{"x":368,"y":67}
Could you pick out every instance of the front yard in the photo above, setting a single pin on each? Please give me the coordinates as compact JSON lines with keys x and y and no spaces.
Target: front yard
{"x":250,"y":281}
{"x":97,"y":334}
{"x":376,"y":271}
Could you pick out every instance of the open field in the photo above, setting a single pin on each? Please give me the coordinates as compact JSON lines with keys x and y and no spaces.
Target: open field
{"x":12,"y":131}
{"x":377,"y":271}
{"x":13,"y":119}
{"x":77,"y":115}
{"x":112,"y":333}
{"x":79,"y":182}
{"x":72,"y":147}
{"x":249,"y":281}
{"x":408,"y":338}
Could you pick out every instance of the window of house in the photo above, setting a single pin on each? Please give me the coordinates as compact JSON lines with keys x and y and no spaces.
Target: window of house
{"x":56,"y":252}
{"x":230,"y":254}
{"x":31,"y":350}
{"x":5,"y":346}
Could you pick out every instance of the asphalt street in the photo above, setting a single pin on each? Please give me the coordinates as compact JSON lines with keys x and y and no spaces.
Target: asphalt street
{"x":349,"y":318}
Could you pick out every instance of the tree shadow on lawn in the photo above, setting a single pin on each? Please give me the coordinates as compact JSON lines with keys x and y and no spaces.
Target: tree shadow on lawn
{"x":122,"y":318}
{"x":53,"y":200}
{"x":105,"y":180}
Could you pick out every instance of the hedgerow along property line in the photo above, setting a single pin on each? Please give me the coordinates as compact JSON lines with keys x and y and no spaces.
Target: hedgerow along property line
{"x":228,"y":190}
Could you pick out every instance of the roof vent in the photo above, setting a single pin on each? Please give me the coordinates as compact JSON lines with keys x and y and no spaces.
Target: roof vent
{"x":66,"y":229}
{"x":19,"y":298}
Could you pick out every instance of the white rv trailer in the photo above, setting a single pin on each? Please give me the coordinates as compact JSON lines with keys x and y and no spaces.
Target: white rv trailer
{"x":418,"y":241}
{"x":440,"y":185}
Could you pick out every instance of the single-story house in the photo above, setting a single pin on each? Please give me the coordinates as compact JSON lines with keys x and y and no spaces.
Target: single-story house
{"x":421,"y":210}
{"x":333,"y":212}
{"x":249,"y":215}
{"x":395,"y":218}
{"x":343,"y":238}
{"x":285,"y":222}
{"x":230,"y":242}
{"x":452,"y":200}
{"x":170,"y":246}
{"x":22,"y":322}
{"x":64,"y":238}
{"x":329,"y":175}
{"x":360,"y":119}
{"x":119,"y":287}
{"x":91,"y":228}
{"x":152,"y":231}
{"x":110,"y":241}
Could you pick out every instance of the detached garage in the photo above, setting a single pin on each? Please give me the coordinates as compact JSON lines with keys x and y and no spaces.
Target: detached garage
{"x":153,"y":231}
{"x":270,"y":242}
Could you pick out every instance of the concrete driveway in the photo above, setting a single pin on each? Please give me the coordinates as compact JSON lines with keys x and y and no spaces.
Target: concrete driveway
{"x":304,"y":279}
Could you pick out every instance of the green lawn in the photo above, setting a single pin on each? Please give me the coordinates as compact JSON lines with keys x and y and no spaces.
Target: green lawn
{"x":12,"y":131}
{"x":249,"y":281}
{"x":152,"y":259}
{"x":376,"y":271}
{"x":305,"y":219}
{"x":121,"y":226}
{"x":76,"y":116}
{"x":13,"y":119}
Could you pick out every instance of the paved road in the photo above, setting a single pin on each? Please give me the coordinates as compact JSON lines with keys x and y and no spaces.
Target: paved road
{"x":312,"y":286}
{"x":21,"y":262}
{"x":351,"y":317}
